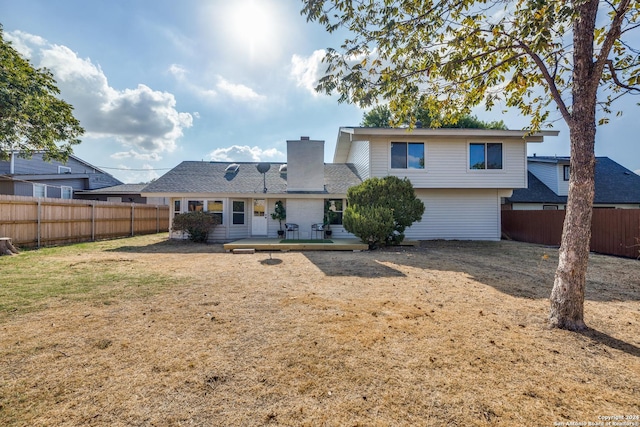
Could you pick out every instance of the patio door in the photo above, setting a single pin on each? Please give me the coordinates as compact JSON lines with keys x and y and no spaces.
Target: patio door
{"x":259,"y":218}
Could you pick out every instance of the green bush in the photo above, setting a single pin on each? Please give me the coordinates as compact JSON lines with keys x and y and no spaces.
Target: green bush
{"x":392,"y":193}
{"x":371,"y":224}
{"x":197,"y":224}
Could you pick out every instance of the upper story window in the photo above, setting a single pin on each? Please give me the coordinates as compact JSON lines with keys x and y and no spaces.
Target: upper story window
{"x":566,"y":172}
{"x":407,"y":155}
{"x":64,"y":169}
{"x":485,"y":155}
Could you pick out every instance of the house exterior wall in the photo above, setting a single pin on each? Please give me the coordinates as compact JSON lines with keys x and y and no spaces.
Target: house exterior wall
{"x":305,"y":212}
{"x":458,"y":214}
{"x":548,"y":174}
{"x":563,"y":186}
{"x":447,"y":163}
{"x":359,"y":156}
{"x":36,"y":166}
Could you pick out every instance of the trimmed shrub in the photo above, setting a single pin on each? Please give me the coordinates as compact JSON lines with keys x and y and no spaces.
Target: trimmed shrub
{"x":197,"y":224}
{"x":392,"y":193}
{"x":371,"y":224}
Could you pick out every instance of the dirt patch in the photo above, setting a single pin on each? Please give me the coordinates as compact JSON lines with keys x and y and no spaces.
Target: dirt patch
{"x":450,"y":333}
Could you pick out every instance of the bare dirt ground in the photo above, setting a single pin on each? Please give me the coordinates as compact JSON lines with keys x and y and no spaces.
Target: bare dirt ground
{"x":447,"y":334}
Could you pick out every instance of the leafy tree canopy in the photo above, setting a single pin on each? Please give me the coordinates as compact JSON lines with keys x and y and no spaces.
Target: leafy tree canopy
{"x":449,"y":56}
{"x":33,"y":118}
{"x":380,"y":116}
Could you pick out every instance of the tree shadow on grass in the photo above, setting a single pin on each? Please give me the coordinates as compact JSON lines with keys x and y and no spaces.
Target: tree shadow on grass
{"x":611,"y":342}
{"x":526,"y":270}
{"x":340,"y":266}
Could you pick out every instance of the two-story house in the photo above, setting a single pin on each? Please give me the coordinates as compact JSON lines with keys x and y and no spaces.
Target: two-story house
{"x":460,"y":174}
{"x":615,"y":185}
{"x":35,"y":177}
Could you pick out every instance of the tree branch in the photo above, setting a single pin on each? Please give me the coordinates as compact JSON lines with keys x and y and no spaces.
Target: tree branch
{"x":612,"y":69}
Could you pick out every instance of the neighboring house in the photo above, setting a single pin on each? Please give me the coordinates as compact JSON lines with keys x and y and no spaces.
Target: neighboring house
{"x":123,"y":193}
{"x":460,"y":174}
{"x":616,"y":186}
{"x":35,"y":177}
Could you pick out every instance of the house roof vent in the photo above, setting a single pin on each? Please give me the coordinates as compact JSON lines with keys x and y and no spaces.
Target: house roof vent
{"x":232,"y":168}
{"x":283,"y":168}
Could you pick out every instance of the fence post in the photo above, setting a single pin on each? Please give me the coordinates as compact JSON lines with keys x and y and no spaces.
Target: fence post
{"x":157,"y":219}
{"x":39,"y":221}
{"x":132,"y":220}
{"x":93,"y":221}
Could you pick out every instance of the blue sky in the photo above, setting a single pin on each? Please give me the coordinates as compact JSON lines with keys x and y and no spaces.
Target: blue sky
{"x":156,"y":82}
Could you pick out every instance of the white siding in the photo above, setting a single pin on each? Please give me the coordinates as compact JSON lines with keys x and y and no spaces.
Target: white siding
{"x":305,"y":212}
{"x":359,"y":156}
{"x":563,"y":186}
{"x":547,"y":173}
{"x":446,"y":164}
{"x":458,"y":214}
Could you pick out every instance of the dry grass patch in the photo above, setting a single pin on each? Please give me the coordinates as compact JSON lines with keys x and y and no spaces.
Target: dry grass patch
{"x":449,"y":333}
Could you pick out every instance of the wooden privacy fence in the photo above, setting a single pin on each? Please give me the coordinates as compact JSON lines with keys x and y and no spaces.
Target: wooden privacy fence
{"x":613,"y":231}
{"x":35,"y":222}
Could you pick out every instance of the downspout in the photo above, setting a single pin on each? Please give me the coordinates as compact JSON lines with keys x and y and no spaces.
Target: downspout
{"x":12,"y":163}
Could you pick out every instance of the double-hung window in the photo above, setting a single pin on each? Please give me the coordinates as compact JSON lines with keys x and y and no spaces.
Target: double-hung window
{"x":238,"y":212}
{"x":566,"y":172}
{"x":407,"y":155}
{"x":214,"y":207}
{"x":484,"y":156}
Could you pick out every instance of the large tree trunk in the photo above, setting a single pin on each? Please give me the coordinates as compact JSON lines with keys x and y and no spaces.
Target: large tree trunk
{"x":567,"y":296}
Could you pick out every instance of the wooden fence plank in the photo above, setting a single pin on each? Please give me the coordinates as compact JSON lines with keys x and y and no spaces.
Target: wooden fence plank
{"x":613,"y":231}
{"x":41,"y":222}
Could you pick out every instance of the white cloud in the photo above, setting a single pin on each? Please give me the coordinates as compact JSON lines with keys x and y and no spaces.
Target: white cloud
{"x":306,"y":70}
{"x":238,"y":91}
{"x":244,"y":153}
{"x":141,"y":118}
{"x":21,"y":41}
{"x":132,"y":154}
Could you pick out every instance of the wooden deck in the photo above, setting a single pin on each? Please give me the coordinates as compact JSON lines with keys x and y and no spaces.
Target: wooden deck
{"x":265,"y":244}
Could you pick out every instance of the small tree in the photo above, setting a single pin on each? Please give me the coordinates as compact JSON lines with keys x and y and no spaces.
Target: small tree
{"x":197,"y":224}
{"x":279,"y":213}
{"x":392,"y":193}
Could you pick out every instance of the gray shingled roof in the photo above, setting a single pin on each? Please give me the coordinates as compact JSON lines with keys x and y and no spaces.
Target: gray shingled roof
{"x":614,"y":184}
{"x":210,"y":177}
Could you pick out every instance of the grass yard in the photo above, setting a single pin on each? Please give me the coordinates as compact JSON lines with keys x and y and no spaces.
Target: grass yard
{"x":144,"y":331}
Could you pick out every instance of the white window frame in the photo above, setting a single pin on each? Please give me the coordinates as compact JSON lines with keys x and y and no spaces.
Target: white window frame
{"x":66,"y":190}
{"x":220,"y":212}
{"x":37,"y":193}
{"x":566,"y":172}
{"x":243,"y":212}
{"x":64,"y":169}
